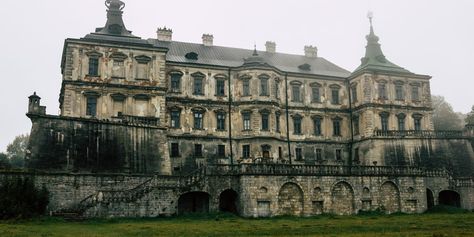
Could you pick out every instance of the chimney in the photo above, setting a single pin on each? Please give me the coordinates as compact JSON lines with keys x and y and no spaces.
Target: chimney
{"x":310,"y":51}
{"x":207,"y":39}
{"x":271,"y":47}
{"x":165,"y":34}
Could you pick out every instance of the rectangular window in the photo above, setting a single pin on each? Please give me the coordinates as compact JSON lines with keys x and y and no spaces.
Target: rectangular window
{"x":198,"y":150}
{"x":316,"y":94}
{"x":221,"y":151}
{"x":277,"y":123}
{"x":355,"y":124}
{"x":338,"y":154}
{"x":401,"y":123}
{"x":246,"y":151}
{"x":198,"y":120}
{"x":297,"y":125}
{"x":354,"y":94}
{"x":198,"y":90}
{"x":246,"y":87}
{"x":384,"y":123}
{"x":335,"y":96}
{"x":91,"y":109}
{"x":296,"y":93}
{"x":142,"y":71}
{"x":174,"y":150}
{"x":265,"y":122}
{"x":319,"y":154}
{"x":356,"y":154}
{"x":414,"y":93}
{"x":93,"y":66}
{"x":317,"y":126}
{"x":336,"y":126}
{"x":246,"y":121}
{"x":417,"y":124}
{"x":220,"y":121}
{"x":299,"y":153}
{"x":277,"y":90}
{"x":118,"y":69}
{"x":382,"y":91}
{"x":264,"y":87}
{"x":175,"y":82}
{"x":220,"y":87}
{"x":280,"y":152}
{"x":399,"y":92}
{"x":175,"y":119}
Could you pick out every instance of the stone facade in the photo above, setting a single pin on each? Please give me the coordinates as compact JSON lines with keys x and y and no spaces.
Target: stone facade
{"x":158,"y":127}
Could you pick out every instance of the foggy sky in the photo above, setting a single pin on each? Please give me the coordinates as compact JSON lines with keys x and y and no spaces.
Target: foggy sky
{"x":431,"y":37}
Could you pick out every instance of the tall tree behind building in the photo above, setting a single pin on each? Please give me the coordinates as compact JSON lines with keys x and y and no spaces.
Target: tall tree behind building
{"x":470,"y":117}
{"x":444,"y":117}
{"x":16,"y":151}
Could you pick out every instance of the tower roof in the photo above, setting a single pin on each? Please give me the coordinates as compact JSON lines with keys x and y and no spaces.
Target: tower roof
{"x":114,"y":25}
{"x":374,"y":59}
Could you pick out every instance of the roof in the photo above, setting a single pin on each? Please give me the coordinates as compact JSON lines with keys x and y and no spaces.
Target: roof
{"x":235,"y":57}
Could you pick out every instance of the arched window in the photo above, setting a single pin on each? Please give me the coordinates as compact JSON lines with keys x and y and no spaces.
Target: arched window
{"x":417,"y":121}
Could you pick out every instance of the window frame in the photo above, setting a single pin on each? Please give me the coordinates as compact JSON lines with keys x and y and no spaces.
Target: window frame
{"x":198,"y":119}
{"x":318,"y":125}
{"x":220,"y":121}
{"x":221,"y":151}
{"x":336,"y":127}
{"x":220,"y":87}
{"x":175,"y":121}
{"x":297,"y":124}
{"x":174,"y":153}
{"x":246,"y":151}
{"x":246,"y":121}
{"x":299,"y":154}
{"x":198,"y":151}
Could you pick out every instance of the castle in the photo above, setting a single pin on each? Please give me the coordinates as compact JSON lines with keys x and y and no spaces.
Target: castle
{"x":152,"y":127}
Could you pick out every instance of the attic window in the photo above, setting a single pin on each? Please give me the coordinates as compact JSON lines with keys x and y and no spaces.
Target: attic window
{"x":305,"y":67}
{"x":192,"y":56}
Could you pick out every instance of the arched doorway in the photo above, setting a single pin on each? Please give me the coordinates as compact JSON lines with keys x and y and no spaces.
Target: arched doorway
{"x":342,"y":196}
{"x":429,"y":198}
{"x":290,"y":200}
{"x":449,"y":198}
{"x":193,"y":202}
{"x":390,"y":197}
{"x":228,"y":201}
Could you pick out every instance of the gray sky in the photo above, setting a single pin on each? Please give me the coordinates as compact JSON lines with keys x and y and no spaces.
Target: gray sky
{"x":434,"y":37}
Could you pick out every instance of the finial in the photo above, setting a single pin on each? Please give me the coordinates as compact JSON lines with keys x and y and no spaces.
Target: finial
{"x":114,"y":4}
{"x":255,"y":53}
{"x":370,"y":15}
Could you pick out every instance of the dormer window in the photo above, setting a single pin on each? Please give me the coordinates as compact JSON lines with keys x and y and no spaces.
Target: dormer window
{"x":191,"y":56}
{"x":305,"y":67}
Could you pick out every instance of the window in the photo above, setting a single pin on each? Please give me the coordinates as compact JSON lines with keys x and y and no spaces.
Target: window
{"x":317,"y":121}
{"x":174,"y":150}
{"x":220,"y":121}
{"x":336,"y":127}
{"x":246,"y":120}
{"x":265,"y":121}
{"x":142,"y":67}
{"x":246,"y":87}
{"x":277,"y":89}
{"x":296,"y":93}
{"x":338,"y":154}
{"x":382,"y":90}
{"x":297,"y":124}
{"x":93,"y":66}
{"x":316,"y":94}
{"x":384,"y":121}
{"x":197,"y":150}
{"x":319,"y":154}
{"x":264,"y":86}
{"x":91,"y":109}
{"x":220,"y":87}
{"x":175,"y":119}
{"x":176,"y":82}
{"x":198,"y":89}
{"x":280,"y":152}
{"x":354,"y":93}
{"x":401,"y":122}
{"x":198,"y":120}
{"x":277,"y":122}
{"x":299,"y":153}
{"x":355,"y":124}
{"x":335,"y":96}
{"x":399,"y":92}
{"x":356,"y":154}
{"x":414,"y":93}
{"x":417,"y":121}
{"x":221,"y":151}
{"x":246,"y":151}
{"x":118,"y":69}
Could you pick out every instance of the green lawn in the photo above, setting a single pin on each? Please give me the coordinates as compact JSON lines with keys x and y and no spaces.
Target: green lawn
{"x":432,"y":225}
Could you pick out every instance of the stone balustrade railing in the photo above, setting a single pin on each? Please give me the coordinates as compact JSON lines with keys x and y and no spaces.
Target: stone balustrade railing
{"x":137,"y":120}
{"x":419,"y":133}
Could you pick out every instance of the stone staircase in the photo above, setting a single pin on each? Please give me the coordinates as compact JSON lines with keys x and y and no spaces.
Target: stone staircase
{"x":76,"y":211}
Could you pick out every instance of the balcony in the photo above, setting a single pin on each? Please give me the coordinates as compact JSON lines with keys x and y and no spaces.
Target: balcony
{"x":419,"y":133}
{"x":137,"y":120}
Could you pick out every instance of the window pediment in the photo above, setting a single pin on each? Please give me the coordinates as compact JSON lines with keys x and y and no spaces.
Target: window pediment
{"x":198,"y":110}
{"x":221,"y":76}
{"x":417,"y":115}
{"x":335,"y":86}
{"x":94,"y":54}
{"x":143,"y":59}
{"x":315,"y":84}
{"x":198,"y":75}
{"x":141,"y":97}
{"x":118,"y":97}
{"x":384,"y":114}
{"x":245,"y":77}
{"x":296,"y":83}
{"x":91,"y":94}
{"x":264,"y":76}
{"x":176,"y":72}
{"x":118,"y":56}
{"x":401,"y":115}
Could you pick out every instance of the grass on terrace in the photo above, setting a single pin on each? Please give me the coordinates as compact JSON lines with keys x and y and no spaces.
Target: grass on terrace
{"x":433,"y":225}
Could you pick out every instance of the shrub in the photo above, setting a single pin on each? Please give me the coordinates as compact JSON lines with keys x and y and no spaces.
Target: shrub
{"x":21,"y":199}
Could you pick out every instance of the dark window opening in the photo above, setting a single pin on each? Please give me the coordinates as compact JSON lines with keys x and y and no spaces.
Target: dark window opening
{"x":299,"y":153}
{"x":220,"y":87}
{"x":91,"y":109}
{"x":354,"y":94}
{"x":414,"y":93}
{"x":319,"y":154}
{"x":296,"y":93}
{"x":417,"y":124}
{"x":277,"y":123}
{"x":264,"y":87}
{"x":335,"y":96}
{"x":175,"y":82}
{"x":316,"y":94}
{"x":175,"y":119}
{"x":198,"y":150}
{"x":317,"y":126}
{"x":297,"y":125}
{"x":221,"y":151}
{"x":336,"y":125}
{"x":246,"y":87}
{"x":198,"y":86}
{"x":246,"y":151}
{"x":338,"y":154}
{"x":93,"y":66}
{"x":265,"y":122}
{"x":399,"y":92}
{"x":382,"y":91}
{"x":355,"y":124}
{"x":174,"y":150}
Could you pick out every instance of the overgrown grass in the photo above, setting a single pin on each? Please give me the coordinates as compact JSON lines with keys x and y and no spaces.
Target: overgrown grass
{"x":218,"y":224}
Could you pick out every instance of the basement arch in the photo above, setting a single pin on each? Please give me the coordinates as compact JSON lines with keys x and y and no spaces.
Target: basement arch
{"x":449,"y":198}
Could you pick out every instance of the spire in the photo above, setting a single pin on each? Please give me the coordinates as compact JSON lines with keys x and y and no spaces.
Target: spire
{"x":114,"y":25}
{"x":255,"y":53}
{"x":254,"y":59}
{"x":374,"y":58}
